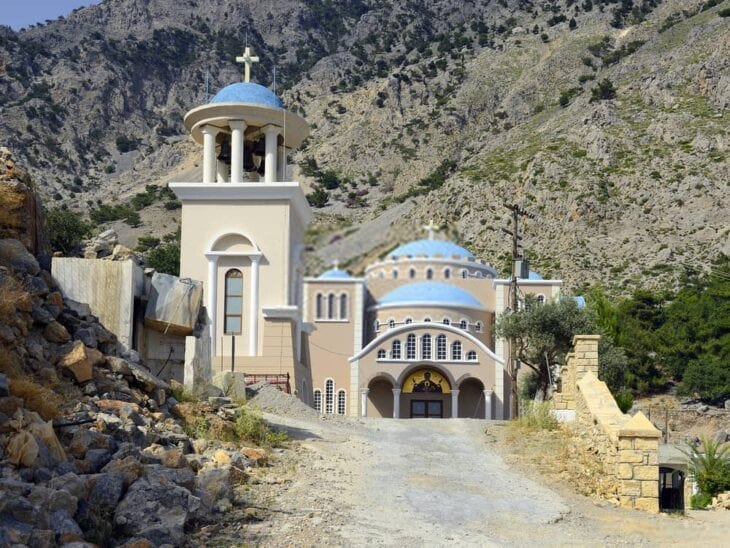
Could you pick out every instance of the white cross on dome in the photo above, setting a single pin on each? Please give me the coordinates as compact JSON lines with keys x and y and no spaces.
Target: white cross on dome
{"x":247,"y":59}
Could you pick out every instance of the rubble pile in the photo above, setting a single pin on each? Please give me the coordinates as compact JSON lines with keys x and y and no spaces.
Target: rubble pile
{"x":93,"y":446}
{"x":721,"y":501}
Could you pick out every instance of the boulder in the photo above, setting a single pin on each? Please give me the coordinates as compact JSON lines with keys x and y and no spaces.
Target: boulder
{"x":56,"y":333}
{"x":52,"y":500}
{"x":95,"y":514}
{"x":87,"y":336}
{"x":129,"y":467}
{"x":15,"y":256}
{"x":174,"y":304}
{"x":102,"y":245}
{"x":213,"y":487}
{"x":258,"y":456}
{"x":84,"y":440}
{"x":156,"y":511}
{"x":119,"y":366}
{"x":71,"y":483}
{"x":65,"y":528}
{"x":22,"y":450}
{"x":4,"y":386}
{"x":80,"y":361}
{"x":146,"y":379}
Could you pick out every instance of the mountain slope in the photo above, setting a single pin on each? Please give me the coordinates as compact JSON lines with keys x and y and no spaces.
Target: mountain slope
{"x":449,"y":109}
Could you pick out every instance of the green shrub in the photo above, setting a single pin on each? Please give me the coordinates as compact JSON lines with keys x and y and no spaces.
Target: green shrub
{"x":709,"y":463}
{"x":725,"y":12}
{"x":624,"y":399}
{"x":66,"y":229}
{"x":126,"y":144}
{"x":700,"y":501}
{"x":318,"y":198}
{"x":537,"y":416}
{"x":529,"y":386}
{"x":145,"y":243}
{"x":604,"y":91}
{"x":251,"y":426}
{"x":165,"y":258}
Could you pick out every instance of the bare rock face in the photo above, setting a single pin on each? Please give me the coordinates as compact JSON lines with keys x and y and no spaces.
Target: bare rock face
{"x":14,"y":255}
{"x":81,"y":360}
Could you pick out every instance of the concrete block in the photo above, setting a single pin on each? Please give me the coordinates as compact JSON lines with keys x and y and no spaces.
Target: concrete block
{"x":174,"y":304}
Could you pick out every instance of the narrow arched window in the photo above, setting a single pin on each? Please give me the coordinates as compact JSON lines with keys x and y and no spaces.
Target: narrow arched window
{"x":411,"y":347}
{"x":456,"y":350}
{"x":331,"y":306}
{"x":446,"y":321}
{"x":429,"y":274}
{"x":464,"y":273}
{"x":479,"y":274}
{"x":408,"y":321}
{"x":234,"y":302}
{"x":377,"y":326}
{"x":341,"y":402}
{"x":447,"y":273}
{"x":329,"y":396}
{"x":426,"y":347}
{"x":441,"y":347}
{"x":318,"y":400}
{"x":471,"y":356}
{"x":395,"y":274}
{"x":382,"y":354}
{"x":426,"y":320}
{"x":343,"y":306}
{"x":463,"y":324}
{"x":395,"y":351}
{"x":541,"y":299}
{"x":412,"y":273}
{"x":320,"y":306}
{"x":478,"y":327}
{"x":391,"y":323}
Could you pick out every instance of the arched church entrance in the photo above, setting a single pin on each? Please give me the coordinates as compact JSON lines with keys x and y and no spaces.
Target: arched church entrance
{"x":471,"y":399}
{"x":380,"y":398}
{"x":425,"y":394}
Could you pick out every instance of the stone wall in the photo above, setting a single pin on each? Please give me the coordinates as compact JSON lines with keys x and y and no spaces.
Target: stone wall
{"x":624,"y":447}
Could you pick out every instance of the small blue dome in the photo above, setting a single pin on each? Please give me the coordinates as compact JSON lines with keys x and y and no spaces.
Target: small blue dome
{"x":248,"y":92}
{"x":431,"y":248}
{"x":534,"y":276}
{"x":580,"y":301}
{"x":432,"y":293}
{"x":334,"y":274}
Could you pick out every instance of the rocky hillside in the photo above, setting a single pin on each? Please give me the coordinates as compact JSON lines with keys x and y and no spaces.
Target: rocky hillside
{"x":607,"y":120}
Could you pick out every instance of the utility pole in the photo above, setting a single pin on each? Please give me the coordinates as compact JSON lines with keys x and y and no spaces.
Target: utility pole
{"x":514,"y":363}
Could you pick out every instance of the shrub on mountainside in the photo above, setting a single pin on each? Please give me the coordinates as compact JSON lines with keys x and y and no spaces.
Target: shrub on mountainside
{"x":604,"y":91}
{"x":66,"y":230}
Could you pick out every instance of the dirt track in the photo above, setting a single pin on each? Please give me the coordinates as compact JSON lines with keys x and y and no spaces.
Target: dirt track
{"x":414,"y":482}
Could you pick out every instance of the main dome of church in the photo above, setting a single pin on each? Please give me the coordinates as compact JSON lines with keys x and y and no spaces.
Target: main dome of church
{"x":430,"y":248}
{"x":249,"y":93}
{"x":430,"y":293}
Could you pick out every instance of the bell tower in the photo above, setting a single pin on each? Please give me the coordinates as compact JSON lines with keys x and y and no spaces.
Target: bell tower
{"x":242,"y":232}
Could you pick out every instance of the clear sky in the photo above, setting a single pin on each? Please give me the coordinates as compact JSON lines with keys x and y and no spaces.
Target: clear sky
{"x":22,"y":13}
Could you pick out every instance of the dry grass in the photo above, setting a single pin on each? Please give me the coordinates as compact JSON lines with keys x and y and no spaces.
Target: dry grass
{"x":12,"y":295}
{"x":36,"y":397}
{"x":9,"y":363}
{"x":11,"y":203}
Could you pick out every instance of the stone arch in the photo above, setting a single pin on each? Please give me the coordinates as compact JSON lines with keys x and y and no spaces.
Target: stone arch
{"x":426,"y":365}
{"x":471,"y":397}
{"x":380,"y":395}
{"x":234,"y":242}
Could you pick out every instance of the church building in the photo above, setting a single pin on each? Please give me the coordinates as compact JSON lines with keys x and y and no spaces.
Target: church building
{"x":412,"y":337}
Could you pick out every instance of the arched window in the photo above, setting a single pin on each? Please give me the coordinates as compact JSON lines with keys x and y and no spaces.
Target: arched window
{"x":408,"y":321}
{"x":429,"y":274}
{"x":234,"y":302}
{"x":447,"y":273}
{"x":479,"y":274}
{"x":456,"y":350}
{"x":446,"y":321}
{"x":318,"y":399}
{"x":320,"y":306}
{"x":412,"y":273}
{"x":331,"y":306}
{"x":426,"y":347}
{"x":377,"y":326}
{"x":341,"y":402}
{"x":343,"y":306}
{"x":426,"y":320}
{"x":382,"y":354}
{"x":411,"y":347}
{"x":464,"y":324}
{"x":395,"y":274}
{"x":478,"y":327}
{"x":471,"y":356}
{"x":395,"y":350}
{"x":464,"y":273}
{"x":541,"y":299}
{"x":329,"y":396}
{"x":441,"y":347}
{"x":391,"y":323}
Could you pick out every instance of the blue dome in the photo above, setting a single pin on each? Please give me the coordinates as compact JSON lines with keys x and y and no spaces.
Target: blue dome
{"x":431,"y":248}
{"x":534,"y":276}
{"x":432,"y":293}
{"x":248,"y":92}
{"x":334,"y":274}
{"x":580,"y":301}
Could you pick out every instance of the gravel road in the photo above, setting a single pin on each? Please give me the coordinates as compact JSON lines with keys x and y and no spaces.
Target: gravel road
{"x":384,"y":482}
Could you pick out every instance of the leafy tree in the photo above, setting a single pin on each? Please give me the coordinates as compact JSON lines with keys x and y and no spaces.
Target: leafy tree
{"x":544,"y":334}
{"x":165,"y":258}
{"x":709,"y":463}
{"x":67,"y":229}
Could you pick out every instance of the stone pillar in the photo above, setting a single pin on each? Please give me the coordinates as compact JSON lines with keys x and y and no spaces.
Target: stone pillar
{"x":585,"y":351}
{"x":455,"y":404}
{"x":253,"y":335}
{"x":488,"y":404}
{"x":212,"y":301}
{"x":364,"y":402}
{"x":396,"y":403}
{"x":281,"y":164}
{"x":221,"y":172}
{"x":272,"y":134}
{"x":209,"y":159}
{"x":637,"y":467}
{"x":238,"y":127}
